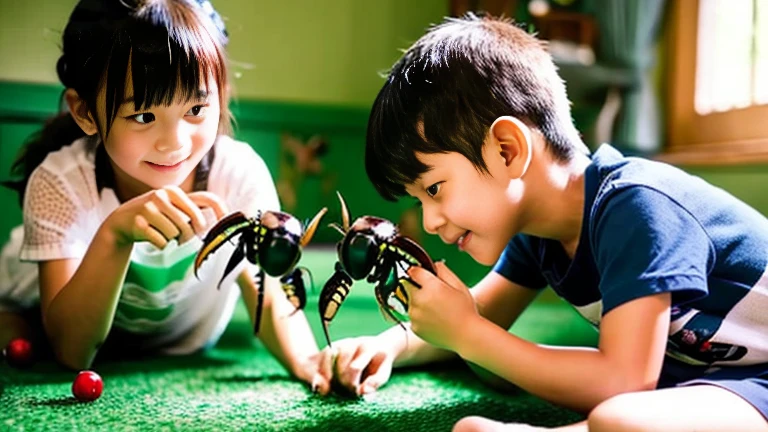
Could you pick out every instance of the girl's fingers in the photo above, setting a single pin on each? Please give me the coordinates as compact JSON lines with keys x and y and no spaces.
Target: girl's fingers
{"x":210,"y":200}
{"x":177,"y":217}
{"x":176,"y":197}
{"x":145,"y":231}
{"x":156,"y":219}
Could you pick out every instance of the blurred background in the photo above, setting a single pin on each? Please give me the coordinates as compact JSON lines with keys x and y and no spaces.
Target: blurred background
{"x":684,"y":81}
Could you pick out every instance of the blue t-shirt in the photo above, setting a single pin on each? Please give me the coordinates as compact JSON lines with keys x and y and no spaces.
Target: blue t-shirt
{"x":650,"y":228}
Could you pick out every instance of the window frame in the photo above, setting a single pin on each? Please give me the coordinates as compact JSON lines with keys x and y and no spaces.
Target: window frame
{"x":738,"y":136}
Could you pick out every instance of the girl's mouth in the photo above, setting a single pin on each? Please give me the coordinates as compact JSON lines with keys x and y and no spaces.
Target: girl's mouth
{"x":463,"y":240}
{"x":166,"y":168}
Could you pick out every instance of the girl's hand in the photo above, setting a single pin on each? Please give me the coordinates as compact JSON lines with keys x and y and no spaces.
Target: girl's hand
{"x":358,"y":365}
{"x":441,"y":310}
{"x":161,"y":215}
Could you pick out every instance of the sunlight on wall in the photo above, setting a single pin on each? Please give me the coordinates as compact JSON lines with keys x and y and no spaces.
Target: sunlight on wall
{"x":296,"y":50}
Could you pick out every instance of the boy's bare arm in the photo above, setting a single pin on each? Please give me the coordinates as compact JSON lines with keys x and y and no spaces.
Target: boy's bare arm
{"x":498,"y":300}
{"x":78,"y":298}
{"x":629,"y":358}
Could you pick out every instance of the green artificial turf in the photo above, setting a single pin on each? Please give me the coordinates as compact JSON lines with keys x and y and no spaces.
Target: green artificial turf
{"x":238,"y":386}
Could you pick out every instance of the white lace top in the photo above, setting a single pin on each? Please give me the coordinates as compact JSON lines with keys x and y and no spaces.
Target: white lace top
{"x":161,"y":299}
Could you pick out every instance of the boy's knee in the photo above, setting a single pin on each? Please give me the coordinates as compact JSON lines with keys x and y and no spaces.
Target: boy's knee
{"x":623,"y":412}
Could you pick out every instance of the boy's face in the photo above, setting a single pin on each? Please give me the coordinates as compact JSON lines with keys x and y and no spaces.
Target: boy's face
{"x":475,"y":211}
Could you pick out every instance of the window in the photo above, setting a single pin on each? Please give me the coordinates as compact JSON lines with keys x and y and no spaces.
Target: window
{"x":717,"y":82}
{"x":732,"y":60}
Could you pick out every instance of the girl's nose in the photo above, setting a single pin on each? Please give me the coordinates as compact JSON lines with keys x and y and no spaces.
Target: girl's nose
{"x":175,"y":138}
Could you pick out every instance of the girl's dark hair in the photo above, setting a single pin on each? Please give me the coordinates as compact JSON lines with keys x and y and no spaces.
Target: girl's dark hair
{"x":173,"y":48}
{"x":446,"y":91}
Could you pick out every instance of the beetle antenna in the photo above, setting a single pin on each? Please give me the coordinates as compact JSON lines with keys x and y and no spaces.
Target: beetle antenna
{"x":344,"y":212}
{"x":312,"y":227}
{"x":337,"y":228}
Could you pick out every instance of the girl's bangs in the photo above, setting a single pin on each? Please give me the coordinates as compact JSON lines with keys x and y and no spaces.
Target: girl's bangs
{"x":172,"y":54}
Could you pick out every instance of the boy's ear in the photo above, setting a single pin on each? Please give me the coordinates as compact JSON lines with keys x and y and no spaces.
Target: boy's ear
{"x":79,"y":110}
{"x":513,"y":141}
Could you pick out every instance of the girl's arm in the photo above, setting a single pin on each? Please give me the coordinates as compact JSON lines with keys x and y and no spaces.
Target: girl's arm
{"x":629,"y":357}
{"x":78,"y":298}
{"x":286,"y":334}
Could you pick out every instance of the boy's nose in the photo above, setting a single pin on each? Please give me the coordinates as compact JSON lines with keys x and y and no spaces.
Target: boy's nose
{"x":431,"y":219}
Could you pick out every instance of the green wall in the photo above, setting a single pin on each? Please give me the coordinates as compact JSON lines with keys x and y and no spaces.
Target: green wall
{"x":308,"y":51}
{"x":305,"y":67}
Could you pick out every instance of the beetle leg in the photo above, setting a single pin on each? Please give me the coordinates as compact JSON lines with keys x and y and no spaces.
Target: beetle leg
{"x":332,"y":296}
{"x":411,"y":250}
{"x":227,"y":228}
{"x":259,"y":302}
{"x":295,"y":287}
{"x":234,"y":260}
{"x":388,"y":288}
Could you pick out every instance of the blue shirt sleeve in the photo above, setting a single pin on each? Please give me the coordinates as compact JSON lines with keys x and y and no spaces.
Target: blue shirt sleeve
{"x":645,"y":243}
{"x":518,"y":263}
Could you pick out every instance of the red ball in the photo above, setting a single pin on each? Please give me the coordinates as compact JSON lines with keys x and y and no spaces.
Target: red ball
{"x":19,"y":353}
{"x":87,"y":386}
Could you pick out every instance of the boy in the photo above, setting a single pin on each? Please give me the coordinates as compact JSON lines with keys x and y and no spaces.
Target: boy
{"x":474,"y":122}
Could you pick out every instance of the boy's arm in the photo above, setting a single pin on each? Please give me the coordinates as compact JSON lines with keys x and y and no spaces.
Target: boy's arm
{"x":497,"y":299}
{"x":631,"y":350}
{"x":363,"y":364}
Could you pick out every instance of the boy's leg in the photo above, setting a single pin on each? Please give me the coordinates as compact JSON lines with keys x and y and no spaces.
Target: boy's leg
{"x":690,"y":408}
{"x":481,"y":424}
{"x":701,"y":408}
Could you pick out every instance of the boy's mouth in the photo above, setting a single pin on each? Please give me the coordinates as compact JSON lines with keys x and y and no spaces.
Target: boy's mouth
{"x":463,"y":240}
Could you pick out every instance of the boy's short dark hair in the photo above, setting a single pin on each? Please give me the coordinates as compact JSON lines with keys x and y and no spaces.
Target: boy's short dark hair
{"x":450,"y":86}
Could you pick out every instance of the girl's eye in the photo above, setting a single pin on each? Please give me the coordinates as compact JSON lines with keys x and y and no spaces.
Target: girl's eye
{"x":143,"y":118}
{"x":197,"y":110}
{"x":434,"y":189}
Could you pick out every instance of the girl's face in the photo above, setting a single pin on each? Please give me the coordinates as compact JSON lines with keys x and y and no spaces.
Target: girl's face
{"x":474,"y":210}
{"x":161,"y":145}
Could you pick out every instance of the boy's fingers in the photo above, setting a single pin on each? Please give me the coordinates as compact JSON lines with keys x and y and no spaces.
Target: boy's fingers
{"x":420,"y":275}
{"x":379,"y":370}
{"x":447,"y":275}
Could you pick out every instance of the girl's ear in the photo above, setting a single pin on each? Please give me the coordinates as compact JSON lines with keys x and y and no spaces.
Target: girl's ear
{"x":79,"y":110}
{"x":512,"y":138}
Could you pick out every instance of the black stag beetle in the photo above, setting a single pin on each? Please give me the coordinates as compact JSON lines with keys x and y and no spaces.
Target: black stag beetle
{"x":371,"y":249}
{"x":272,"y":240}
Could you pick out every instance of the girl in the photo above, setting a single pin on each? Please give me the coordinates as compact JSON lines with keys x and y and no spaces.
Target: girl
{"x":115,"y":194}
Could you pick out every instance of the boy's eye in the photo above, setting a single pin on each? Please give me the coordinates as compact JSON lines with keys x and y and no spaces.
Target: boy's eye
{"x":143,"y":118}
{"x":197,"y":110}
{"x":434,"y":189}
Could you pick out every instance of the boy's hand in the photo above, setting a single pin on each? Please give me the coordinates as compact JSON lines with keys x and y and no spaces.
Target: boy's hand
{"x":358,"y":365}
{"x":442,"y":309}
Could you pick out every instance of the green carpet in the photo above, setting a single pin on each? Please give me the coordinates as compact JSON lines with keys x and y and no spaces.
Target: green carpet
{"x":239,"y":386}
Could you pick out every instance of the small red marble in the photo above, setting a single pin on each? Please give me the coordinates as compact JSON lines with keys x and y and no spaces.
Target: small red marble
{"x":19,"y":353}
{"x":87,"y":386}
